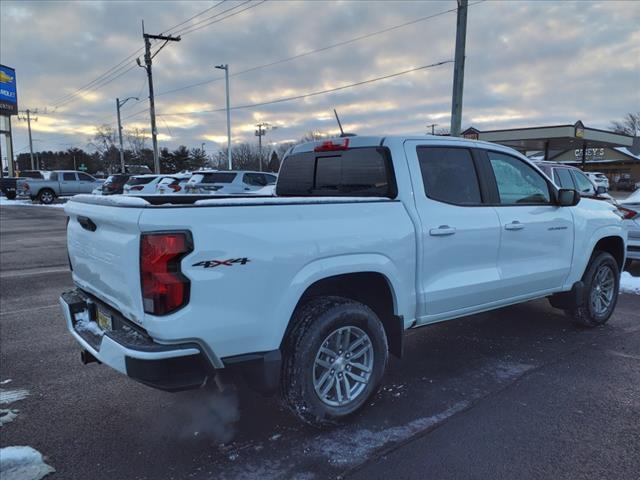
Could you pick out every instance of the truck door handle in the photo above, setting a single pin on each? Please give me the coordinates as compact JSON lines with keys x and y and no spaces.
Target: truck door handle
{"x":515,"y":225}
{"x":442,"y":230}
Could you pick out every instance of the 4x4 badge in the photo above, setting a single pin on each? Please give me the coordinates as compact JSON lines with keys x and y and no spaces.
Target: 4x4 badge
{"x":226,"y":263}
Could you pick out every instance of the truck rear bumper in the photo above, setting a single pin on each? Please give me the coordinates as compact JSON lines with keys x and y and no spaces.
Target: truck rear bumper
{"x":132,"y":352}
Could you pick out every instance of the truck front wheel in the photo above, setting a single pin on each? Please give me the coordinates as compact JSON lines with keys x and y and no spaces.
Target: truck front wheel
{"x":334,"y":359}
{"x":601,"y":282}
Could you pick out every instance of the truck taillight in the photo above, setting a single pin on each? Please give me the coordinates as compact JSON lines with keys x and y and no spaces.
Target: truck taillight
{"x":25,"y":185}
{"x":164,"y":288}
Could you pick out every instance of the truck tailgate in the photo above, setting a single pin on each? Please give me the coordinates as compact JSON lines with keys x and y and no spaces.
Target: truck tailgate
{"x":104,"y":250}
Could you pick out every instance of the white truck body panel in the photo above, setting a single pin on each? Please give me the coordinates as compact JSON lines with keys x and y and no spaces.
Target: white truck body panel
{"x":290,"y":243}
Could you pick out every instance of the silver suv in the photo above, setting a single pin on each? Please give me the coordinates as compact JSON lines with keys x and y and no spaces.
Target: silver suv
{"x":228,"y":182}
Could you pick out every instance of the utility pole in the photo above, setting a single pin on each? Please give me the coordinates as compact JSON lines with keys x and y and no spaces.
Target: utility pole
{"x":458,"y":69}
{"x":118,"y":105}
{"x":152,"y":107}
{"x":27,"y":118}
{"x":262,"y":130}
{"x":225,"y":67}
{"x":432,"y":127}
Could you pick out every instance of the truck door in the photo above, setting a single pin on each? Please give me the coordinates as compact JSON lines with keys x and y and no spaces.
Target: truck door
{"x":537,"y":235}
{"x":68,"y":183}
{"x":86,"y":183}
{"x":459,"y":234}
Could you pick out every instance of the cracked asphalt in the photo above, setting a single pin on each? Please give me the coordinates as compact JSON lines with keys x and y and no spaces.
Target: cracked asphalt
{"x":515,"y":393}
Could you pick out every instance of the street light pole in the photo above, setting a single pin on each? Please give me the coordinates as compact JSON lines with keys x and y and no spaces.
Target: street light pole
{"x":225,"y":67}
{"x":118,"y":105}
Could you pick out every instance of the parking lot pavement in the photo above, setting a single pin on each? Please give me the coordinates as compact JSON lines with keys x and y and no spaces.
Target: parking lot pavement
{"x":515,"y":393}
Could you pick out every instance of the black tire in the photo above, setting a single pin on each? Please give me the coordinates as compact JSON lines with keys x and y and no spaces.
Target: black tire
{"x":10,"y":195}
{"x":587,"y":315}
{"x":314,"y":323}
{"x":46,"y":196}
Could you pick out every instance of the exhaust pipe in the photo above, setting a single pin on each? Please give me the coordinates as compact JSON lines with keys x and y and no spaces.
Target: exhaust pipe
{"x":87,"y":358}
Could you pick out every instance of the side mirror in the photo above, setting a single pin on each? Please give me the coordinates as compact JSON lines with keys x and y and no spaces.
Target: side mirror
{"x":600,"y":190}
{"x":568,"y":197}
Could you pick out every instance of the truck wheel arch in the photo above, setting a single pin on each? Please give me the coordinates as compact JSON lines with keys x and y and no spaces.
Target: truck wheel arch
{"x":613,"y":245}
{"x":369,"y":288}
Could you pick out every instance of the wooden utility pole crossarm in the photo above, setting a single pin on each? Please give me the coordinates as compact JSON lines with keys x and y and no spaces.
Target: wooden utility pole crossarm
{"x":152,"y":107}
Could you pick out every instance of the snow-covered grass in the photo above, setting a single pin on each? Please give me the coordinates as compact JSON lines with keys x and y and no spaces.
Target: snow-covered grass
{"x":629,"y":283}
{"x":5,"y":202}
{"x":22,"y":463}
{"x":7,"y":415}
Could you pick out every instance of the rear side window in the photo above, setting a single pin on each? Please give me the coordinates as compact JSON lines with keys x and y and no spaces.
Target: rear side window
{"x":562,"y":177}
{"x":69,"y":177}
{"x":85,"y":178}
{"x":584,"y":185}
{"x":255,"y":179}
{"x":218,"y":177}
{"x":140,"y":180}
{"x":449,"y":175}
{"x":358,"y":172}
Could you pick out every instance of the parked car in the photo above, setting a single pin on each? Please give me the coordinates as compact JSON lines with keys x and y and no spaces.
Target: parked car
{"x":308,"y":292}
{"x":114,"y":184}
{"x":59,"y":183}
{"x":626,"y":184}
{"x":9,"y":186}
{"x":567,"y":176}
{"x":150,"y":184}
{"x":630,"y":207}
{"x":173,"y":184}
{"x":598,"y":178}
{"x":141,"y":184}
{"x":228,"y":182}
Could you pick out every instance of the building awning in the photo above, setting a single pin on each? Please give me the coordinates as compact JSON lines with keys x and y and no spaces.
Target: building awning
{"x":552,"y":138}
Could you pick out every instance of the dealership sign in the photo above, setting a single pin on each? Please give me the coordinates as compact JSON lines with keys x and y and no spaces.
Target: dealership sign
{"x":8,"y":91}
{"x":590,"y":153}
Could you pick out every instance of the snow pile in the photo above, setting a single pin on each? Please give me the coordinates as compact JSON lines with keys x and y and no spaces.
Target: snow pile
{"x":7,"y":415}
{"x":26,"y":203}
{"x":10,"y":396}
{"x":22,"y":463}
{"x":110,"y":200}
{"x":629,"y":284}
{"x":84,"y":324}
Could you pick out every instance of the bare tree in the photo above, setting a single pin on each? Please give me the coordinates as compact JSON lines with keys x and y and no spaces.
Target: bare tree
{"x":630,"y":125}
{"x":137,"y":140}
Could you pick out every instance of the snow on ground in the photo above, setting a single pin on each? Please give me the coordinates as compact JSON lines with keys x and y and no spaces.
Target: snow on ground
{"x":22,"y":463}
{"x":10,"y":396}
{"x":4,"y":201}
{"x":7,"y":415}
{"x":629,"y":284}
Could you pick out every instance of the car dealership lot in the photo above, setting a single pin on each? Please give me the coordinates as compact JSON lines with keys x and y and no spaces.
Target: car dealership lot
{"x":516,"y":392}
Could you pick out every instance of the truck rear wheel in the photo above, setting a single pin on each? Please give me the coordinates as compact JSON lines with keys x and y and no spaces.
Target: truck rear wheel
{"x":334,"y":360}
{"x":46,"y":196}
{"x":601,"y":281}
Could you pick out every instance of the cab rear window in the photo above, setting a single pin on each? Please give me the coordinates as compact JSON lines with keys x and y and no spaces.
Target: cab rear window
{"x":357,"y":172}
{"x":140,"y":180}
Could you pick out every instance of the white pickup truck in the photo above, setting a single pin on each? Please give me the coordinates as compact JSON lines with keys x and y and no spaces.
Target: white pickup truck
{"x":310,"y":290}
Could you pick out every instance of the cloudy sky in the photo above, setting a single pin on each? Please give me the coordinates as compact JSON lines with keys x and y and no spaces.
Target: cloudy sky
{"x":528,"y":64}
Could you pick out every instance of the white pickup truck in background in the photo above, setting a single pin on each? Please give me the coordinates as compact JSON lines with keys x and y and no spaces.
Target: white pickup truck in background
{"x":309,"y":291}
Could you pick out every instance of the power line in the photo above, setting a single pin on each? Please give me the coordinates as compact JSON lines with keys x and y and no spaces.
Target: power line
{"x":317,"y":50}
{"x":198,"y":25}
{"x":168,"y":32}
{"x":312,"y":94}
{"x":93,"y":84}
